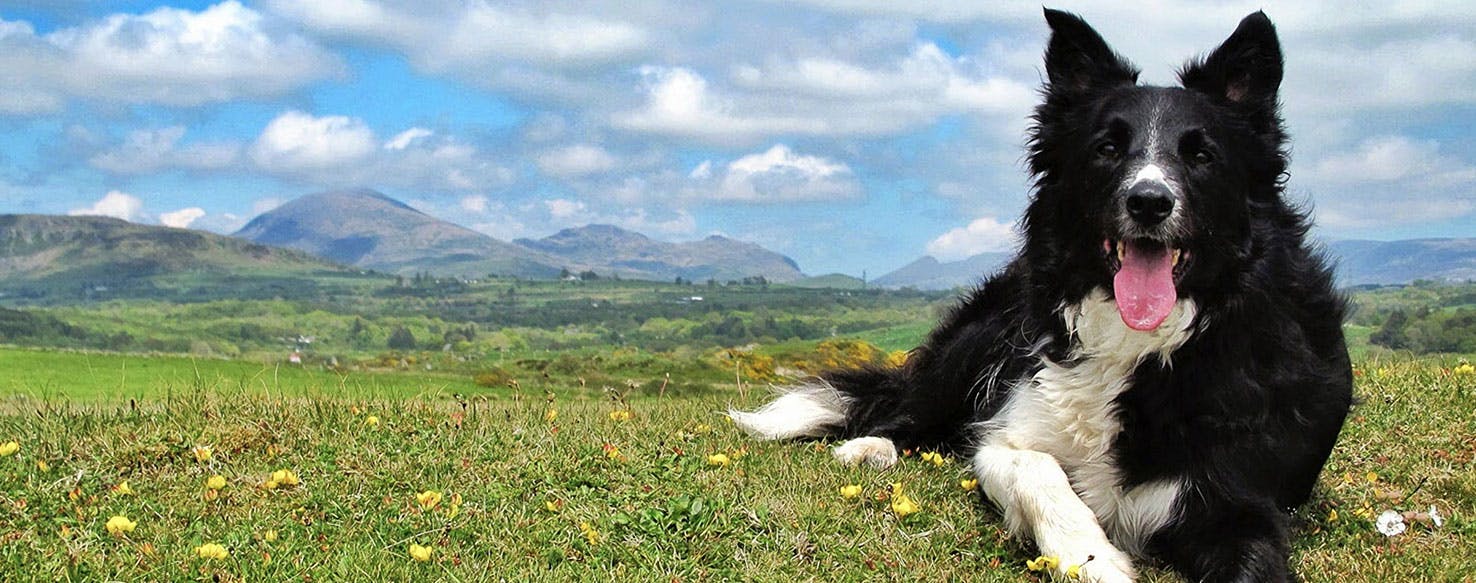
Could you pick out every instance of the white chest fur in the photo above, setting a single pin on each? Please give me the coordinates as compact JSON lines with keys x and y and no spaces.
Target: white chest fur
{"x":1069,"y":411}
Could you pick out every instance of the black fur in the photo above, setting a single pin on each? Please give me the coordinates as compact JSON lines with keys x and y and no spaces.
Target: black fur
{"x":1250,"y":408}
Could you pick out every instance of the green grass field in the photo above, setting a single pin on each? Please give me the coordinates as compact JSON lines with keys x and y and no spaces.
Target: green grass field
{"x":583,"y":494}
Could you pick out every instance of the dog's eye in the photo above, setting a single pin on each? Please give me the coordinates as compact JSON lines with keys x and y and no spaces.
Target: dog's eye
{"x":1202,"y":157}
{"x":1107,"y":150}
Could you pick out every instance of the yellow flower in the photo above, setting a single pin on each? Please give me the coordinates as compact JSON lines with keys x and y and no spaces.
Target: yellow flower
{"x":372,"y":421}
{"x":40,"y":464}
{"x":903,"y":506}
{"x":118,"y":525}
{"x":211,"y":551}
{"x":215,"y":482}
{"x":428,"y":499}
{"x":267,"y":485}
{"x":1042,"y":563}
{"x":269,"y":536}
{"x":1332,"y":515}
{"x":620,"y":415}
{"x":702,"y":429}
{"x":553,"y":505}
{"x":1073,"y":572}
{"x":122,"y":489}
{"x":1464,"y":368}
{"x":285,"y":477}
{"x":9,"y":448}
{"x":850,"y":491}
{"x":717,"y":459}
{"x":613,"y":452}
{"x":420,"y":553}
{"x":202,"y":452}
{"x":935,"y":457}
{"x":968,"y":484}
{"x":590,"y":534}
{"x":551,"y":415}
{"x":1372,"y":477}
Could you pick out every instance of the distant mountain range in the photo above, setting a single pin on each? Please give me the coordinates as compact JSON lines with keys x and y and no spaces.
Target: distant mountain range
{"x":367,"y":229}
{"x":1357,"y":263}
{"x":345,"y":232}
{"x":1393,"y":262}
{"x":52,"y":250}
{"x":931,"y":274}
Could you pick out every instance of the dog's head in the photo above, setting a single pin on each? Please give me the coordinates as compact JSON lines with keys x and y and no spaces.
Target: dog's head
{"x":1153,"y":192}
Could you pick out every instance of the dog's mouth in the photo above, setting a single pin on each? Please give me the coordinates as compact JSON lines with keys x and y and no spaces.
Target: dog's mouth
{"x":1145,"y":277}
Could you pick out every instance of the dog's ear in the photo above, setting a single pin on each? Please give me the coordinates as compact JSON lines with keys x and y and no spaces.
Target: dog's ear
{"x":1245,"y":69}
{"x":1077,"y":59}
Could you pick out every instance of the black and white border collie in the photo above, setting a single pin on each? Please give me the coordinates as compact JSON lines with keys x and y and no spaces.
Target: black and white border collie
{"x":1160,"y":373}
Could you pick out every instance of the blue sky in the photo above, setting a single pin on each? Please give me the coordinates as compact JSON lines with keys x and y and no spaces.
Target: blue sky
{"x":850,"y":135}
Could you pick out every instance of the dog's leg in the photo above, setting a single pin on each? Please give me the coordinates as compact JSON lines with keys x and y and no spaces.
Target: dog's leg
{"x":877,"y":452}
{"x":1239,"y":542}
{"x":1037,"y":500}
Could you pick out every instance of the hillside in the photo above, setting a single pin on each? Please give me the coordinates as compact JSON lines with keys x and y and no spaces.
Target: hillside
{"x":930,"y":274}
{"x":1395,"y":262}
{"x":367,"y":229}
{"x":607,"y":248}
{"x":44,"y":251}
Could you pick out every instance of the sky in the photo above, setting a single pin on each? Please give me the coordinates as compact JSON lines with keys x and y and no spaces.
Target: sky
{"x":850,"y":135}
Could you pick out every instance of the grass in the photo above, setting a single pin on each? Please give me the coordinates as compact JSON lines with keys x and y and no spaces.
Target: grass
{"x":591,"y":497}
{"x":45,"y":375}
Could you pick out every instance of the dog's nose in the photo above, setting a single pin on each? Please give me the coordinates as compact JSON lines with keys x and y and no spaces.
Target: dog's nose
{"x":1149,"y":203}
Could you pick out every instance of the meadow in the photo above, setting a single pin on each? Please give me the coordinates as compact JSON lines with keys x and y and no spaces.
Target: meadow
{"x":413,"y":480}
{"x":557,"y":431}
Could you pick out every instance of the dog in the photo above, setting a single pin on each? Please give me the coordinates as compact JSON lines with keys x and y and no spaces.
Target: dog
{"x":1160,"y":373}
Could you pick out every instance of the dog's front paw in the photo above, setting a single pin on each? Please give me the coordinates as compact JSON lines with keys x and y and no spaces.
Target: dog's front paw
{"x":1104,"y":565}
{"x":877,"y":452}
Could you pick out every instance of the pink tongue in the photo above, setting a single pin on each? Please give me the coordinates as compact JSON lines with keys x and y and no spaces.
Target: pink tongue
{"x":1145,"y":286}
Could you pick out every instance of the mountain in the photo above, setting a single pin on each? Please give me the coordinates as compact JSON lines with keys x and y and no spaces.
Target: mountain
{"x":367,"y":229}
{"x":1396,"y":262}
{"x":929,"y":273}
{"x":607,"y":248}
{"x":45,"y":251}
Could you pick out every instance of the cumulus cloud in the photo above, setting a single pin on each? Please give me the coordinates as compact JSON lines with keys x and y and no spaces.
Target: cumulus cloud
{"x":182,"y":218}
{"x":576,"y":160}
{"x":474,"y":204}
{"x":116,"y":204}
{"x":146,"y":151}
{"x":778,"y":175}
{"x":167,"y":56}
{"x":403,"y":139}
{"x":296,"y":141}
{"x":985,"y":234}
{"x":1388,"y":180}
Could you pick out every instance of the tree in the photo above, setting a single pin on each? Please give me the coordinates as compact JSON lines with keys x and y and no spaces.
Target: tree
{"x":1392,"y":334}
{"x":401,"y":339}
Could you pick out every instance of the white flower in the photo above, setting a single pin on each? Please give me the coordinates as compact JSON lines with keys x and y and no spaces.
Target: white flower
{"x":1436,"y":518}
{"x":1390,"y":523}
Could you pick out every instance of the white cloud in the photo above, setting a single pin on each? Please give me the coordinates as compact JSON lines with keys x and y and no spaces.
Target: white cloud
{"x":167,"y":56}
{"x":983,"y":235}
{"x":780,"y":175}
{"x":451,"y":35}
{"x":563,"y":209}
{"x":403,"y":139}
{"x":296,"y":141}
{"x":181,"y":218}
{"x":263,"y":205}
{"x":678,"y":103}
{"x":576,"y":160}
{"x":116,"y":204}
{"x":474,"y":204}
{"x":146,"y":151}
{"x":1390,"y":180}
